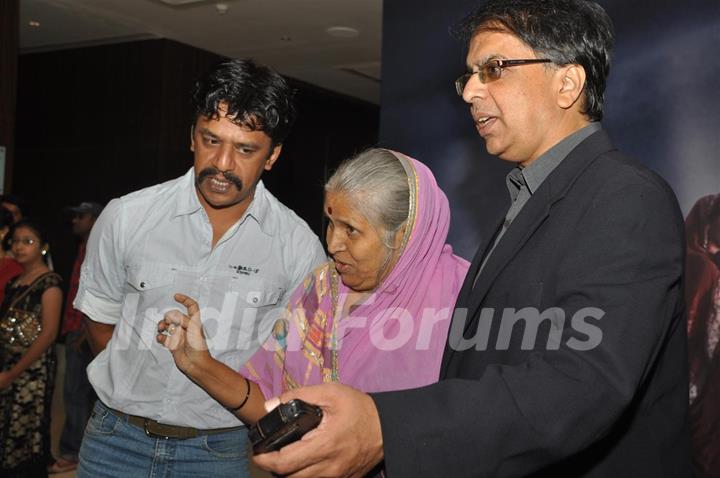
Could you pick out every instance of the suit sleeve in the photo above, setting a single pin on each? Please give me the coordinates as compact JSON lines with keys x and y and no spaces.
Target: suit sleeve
{"x":625,"y":259}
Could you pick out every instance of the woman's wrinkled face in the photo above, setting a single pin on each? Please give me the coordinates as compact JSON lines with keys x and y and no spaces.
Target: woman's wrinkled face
{"x":356,"y":246}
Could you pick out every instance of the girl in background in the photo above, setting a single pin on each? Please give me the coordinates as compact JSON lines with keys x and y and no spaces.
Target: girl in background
{"x":29,"y":321}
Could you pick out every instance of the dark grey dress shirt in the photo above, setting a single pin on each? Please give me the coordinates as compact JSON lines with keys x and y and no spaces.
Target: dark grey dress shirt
{"x":523,"y":182}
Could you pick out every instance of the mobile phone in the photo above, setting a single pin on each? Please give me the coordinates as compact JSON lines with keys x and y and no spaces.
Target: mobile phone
{"x":285,"y":424}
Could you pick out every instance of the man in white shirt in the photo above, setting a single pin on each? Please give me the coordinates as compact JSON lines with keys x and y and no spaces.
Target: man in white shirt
{"x":215,"y":234}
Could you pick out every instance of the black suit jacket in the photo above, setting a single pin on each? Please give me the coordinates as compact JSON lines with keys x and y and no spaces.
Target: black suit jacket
{"x":568,"y":356}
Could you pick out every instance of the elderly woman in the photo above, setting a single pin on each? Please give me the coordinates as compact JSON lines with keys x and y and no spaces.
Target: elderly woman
{"x":376,"y":317}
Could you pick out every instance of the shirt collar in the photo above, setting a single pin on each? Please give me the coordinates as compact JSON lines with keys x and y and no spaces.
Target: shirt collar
{"x":189,"y":203}
{"x":515,"y":181}
{"x":259,"y":208}
{"x":535,"y":174}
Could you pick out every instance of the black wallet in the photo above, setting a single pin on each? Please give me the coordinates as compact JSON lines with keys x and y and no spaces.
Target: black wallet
{"x":285,"y":424}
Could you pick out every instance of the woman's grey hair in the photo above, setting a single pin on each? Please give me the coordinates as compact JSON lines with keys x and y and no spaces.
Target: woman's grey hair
{"x":376,"y":184}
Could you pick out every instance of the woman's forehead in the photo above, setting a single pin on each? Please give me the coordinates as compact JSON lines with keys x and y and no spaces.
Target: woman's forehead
{"x":24,"y":231}
{"x":344,"y":207}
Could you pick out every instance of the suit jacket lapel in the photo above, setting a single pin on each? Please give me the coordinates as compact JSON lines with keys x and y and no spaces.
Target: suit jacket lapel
{"x":467,"y":287}
{"x":482,"y":251}
{"x":535,"y":211}
{"x":531,"y":216}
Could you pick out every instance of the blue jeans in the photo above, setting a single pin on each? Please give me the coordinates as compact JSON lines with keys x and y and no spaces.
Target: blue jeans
{"x":113,"y":448}
{"x":78,"y":396}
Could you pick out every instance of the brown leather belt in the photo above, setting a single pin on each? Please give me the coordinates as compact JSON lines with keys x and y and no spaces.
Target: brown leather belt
{"x":154,"y":428}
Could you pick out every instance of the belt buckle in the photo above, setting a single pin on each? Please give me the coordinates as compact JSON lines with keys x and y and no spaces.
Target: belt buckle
{"x":146,"y":423}
{"x":155,"y":429}
{"x":150,"y":424}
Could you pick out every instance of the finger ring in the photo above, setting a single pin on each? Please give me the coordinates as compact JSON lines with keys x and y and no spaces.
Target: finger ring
{"x":171,"y":329}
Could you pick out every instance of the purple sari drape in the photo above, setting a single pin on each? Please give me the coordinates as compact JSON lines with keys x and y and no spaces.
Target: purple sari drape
{"x":395,"y":338}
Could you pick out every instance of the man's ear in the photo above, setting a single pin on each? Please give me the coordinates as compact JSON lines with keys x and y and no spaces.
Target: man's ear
{"x":273,"y":157}
{"x":192,"y":138}
{"x":572,"y":83}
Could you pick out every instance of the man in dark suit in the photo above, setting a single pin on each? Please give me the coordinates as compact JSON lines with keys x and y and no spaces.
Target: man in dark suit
{"x":567,"y":351}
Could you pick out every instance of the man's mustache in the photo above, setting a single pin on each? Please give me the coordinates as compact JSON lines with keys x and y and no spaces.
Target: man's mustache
{"x":210,"y":172}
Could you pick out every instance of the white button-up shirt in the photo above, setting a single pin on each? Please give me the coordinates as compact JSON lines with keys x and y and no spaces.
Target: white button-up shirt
{"x":153,"y":243}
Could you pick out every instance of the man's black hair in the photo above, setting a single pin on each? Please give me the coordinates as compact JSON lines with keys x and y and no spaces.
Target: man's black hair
{"x":565,"y":31}
{"x":256,"y":97}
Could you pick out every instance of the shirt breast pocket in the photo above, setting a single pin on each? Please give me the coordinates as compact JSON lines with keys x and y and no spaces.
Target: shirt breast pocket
{"x":257,"y":303}
{"x":256,"y":293}
{"x":152,"y":282}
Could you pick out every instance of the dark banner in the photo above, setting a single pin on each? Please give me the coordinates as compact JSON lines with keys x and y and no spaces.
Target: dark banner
{"x":662,"y":101}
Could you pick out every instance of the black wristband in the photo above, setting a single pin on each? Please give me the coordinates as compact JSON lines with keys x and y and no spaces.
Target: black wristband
{"x":247,"y":382}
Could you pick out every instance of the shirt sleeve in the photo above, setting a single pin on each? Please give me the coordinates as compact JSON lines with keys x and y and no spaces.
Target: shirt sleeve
{"x":102,"y":275}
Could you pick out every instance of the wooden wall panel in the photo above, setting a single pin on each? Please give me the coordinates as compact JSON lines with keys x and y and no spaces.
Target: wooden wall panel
{"x":9,"y":38}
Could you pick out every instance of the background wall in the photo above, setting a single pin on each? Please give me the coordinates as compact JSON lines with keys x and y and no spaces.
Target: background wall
{"x":96,"y":123}
{"x":662,"y":101}
{"x":9,"y":39}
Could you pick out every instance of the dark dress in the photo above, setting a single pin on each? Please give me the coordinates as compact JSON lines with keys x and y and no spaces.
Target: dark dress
{"x":25,"y":404}
{"x":9,"y":268}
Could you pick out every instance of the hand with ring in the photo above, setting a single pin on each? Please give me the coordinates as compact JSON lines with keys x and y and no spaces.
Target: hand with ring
{"x":183,"y":336}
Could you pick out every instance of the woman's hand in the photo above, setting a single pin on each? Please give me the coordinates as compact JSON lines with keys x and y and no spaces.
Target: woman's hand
{"x":183,"y":336}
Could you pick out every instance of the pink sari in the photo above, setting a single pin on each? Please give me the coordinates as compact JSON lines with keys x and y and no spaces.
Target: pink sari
{"x":395,"y":338}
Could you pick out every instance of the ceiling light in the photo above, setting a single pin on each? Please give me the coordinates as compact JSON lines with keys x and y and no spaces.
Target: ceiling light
{"x":343,"y":32}
{"x":34,"y":23}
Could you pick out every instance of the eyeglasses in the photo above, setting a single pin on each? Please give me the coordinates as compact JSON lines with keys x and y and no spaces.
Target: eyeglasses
{"x":24,"y":240}
{"x":492,"y":70}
